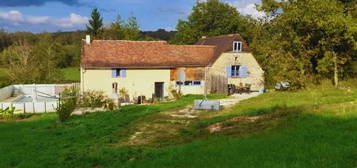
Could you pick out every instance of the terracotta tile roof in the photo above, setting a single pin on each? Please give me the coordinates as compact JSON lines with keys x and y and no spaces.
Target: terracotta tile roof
{"x":140,"y":54}
{"x":143,"y":54}
{"x":224,"y":43}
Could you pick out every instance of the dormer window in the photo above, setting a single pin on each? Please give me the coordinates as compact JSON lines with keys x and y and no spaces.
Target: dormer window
{"x":237,"y":46}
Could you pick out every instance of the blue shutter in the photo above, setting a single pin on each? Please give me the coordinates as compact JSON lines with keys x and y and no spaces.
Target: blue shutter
{"x":114,"y":73}
{"x":243,"y":72}
{"x":123,"y":73}
{"x":229,"y":71}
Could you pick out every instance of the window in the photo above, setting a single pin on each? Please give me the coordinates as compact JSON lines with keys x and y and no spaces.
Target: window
{"x":178,"y":83}
{"x":189,"y":83}
{"x":237,"y":46}
{"x":197,"y":83}
{"x":118,"y":72}
{"x":235,"y":70}
{"x":115,"y":87}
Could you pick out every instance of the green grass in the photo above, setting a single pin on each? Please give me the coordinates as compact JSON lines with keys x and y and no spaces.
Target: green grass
{"x":83,"y":141}
{"x":309,"y":128}
{"x":71,"y":74}
{"x":3,"y":73}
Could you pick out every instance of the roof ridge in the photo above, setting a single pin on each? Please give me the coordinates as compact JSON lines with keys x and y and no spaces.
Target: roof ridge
{"x":224,"y":35}
{"x":201,"y":46}
{"x":159,"y":41}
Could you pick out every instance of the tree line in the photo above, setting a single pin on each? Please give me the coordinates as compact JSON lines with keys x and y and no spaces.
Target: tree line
{"x":38,"y":58}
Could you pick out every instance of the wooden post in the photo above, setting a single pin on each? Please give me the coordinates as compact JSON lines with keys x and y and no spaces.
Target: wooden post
{"x":205,"y":83}
{"x":24,"y":107}
{"x":45,"y":107}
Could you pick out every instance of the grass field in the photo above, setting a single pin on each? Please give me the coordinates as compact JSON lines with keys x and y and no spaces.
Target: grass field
{"x":69,"y":74}
{"x":72,"y":74}
{"x":310,"y":128}
{"x":3,"y":73}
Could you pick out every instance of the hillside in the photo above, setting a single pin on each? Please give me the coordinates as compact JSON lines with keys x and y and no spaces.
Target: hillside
{"x":308,"y":128}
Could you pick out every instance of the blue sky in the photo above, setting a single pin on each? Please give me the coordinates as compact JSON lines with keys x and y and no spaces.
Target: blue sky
{"x":67,"y":15}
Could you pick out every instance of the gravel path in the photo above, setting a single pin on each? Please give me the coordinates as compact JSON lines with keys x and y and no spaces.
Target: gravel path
{"x":236,"y":98}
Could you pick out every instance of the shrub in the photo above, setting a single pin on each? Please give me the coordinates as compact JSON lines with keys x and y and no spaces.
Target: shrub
{"x":96,"y":99}
{"x":7,"y":113}
{"x":68,"y":103}
{"x":176,"y":94}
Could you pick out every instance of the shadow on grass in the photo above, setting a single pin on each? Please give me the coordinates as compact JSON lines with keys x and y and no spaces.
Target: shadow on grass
{"x":287,"y":137}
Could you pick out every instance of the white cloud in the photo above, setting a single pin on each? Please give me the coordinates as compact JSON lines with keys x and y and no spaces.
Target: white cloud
{"x":72,"y":21}
{"x":247,"y":7}
{"x":16,"y":18}
{"x":38,"y":20}
{"x":13,"y":15}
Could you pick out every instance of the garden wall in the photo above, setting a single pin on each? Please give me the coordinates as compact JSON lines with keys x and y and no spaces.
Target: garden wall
{"x":42,"y":105}
{"x":6,"y":92}
{"x":31,"y":107}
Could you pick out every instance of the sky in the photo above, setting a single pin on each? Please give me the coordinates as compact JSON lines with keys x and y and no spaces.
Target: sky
{"x":68,"y":15}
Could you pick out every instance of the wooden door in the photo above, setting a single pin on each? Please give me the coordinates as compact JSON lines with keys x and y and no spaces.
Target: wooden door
{"x":159,"y":90}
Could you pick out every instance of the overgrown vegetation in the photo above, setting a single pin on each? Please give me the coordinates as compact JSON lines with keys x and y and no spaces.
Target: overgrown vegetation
{"x":67,"y":103}
{"x":307,"y":40}
{"x":95,"y":99}
{"x":7,"y":113}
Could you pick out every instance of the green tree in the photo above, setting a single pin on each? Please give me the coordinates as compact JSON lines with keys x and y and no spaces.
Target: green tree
{"x":131,"y":29}
{"x":95,"y":27}
{"x":209,"y":18}
{"x":115,"y":30}
{"x":317,"y":37}
{"x":20,"y":62}
{"x":123,"y":30}
{"x":47,"y":56}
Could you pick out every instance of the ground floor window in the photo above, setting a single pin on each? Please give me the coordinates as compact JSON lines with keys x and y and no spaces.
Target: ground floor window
{"x":189,"y":83}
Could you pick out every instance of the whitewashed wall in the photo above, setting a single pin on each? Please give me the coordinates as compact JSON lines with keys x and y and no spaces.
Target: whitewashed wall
{"x":6,"y":92}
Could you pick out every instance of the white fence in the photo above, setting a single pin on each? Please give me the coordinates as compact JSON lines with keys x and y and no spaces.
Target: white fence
{"x":43,"y":106}
{"x":31,"y":107}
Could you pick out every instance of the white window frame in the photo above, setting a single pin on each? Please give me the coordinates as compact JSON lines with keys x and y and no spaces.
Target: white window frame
{"x":237,"y":43}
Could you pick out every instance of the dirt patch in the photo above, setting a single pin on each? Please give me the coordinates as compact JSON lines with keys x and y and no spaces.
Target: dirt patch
{"x":159,"y":129}
{"x":263,"y":121}
{"x":218,"y":127}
